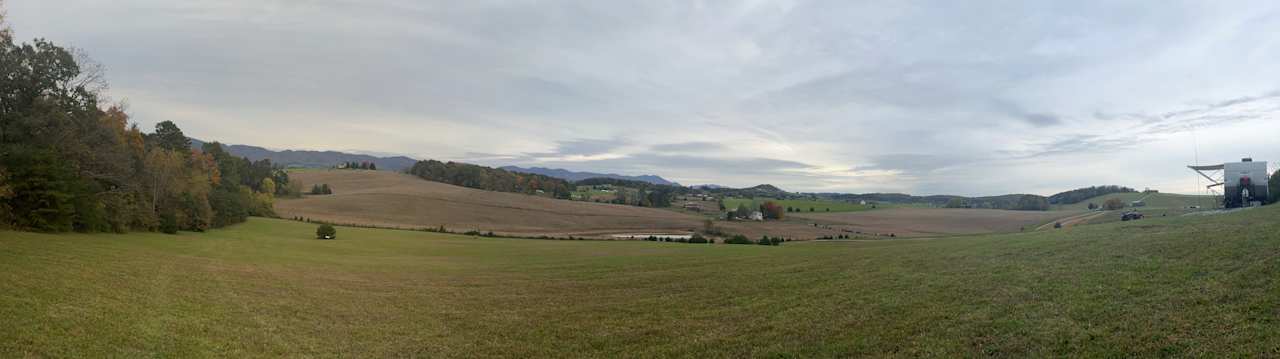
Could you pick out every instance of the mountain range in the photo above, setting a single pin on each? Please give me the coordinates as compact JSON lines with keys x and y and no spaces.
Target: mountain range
{"x":578,"y":176}
{"x":312,"y":159}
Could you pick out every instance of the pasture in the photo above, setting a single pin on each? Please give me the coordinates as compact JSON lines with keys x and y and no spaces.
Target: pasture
{"x":934,"y":222}
{"x":1154,"y":201}
{"x":1202,"y":286}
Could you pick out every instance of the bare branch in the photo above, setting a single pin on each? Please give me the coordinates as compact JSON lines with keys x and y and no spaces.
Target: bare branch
{"x":5,"y":33}
{"x":92,"y":75}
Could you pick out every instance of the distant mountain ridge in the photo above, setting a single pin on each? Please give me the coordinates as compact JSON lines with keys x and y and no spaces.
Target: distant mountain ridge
{"x":312,"y":159}
{"x":574,"y":176}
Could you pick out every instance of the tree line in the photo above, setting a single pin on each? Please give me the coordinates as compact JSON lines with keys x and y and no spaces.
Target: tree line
{"x":1016,"y":202}
{"x":1083,"y":194}
{"x":491,"y":179}
{"x":67,"y":162}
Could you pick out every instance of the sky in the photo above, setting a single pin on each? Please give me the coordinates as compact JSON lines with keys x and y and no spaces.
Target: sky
{"x":922,"y":97}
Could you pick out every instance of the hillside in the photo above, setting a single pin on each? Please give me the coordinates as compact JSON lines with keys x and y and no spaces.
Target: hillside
{"x":312,"y":159}
{"x":399,"y":200}
{"x":1156,"y":288}
{"x":1154,"y":201}
{"x":573,"y":176}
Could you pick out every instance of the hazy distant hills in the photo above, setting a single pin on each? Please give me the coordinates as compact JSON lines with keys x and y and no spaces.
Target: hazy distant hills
{"x":578,"y":176}
{"x":313,"y":159}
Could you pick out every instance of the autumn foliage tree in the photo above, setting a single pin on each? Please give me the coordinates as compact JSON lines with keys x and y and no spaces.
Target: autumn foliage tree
{"x":67,"y":162}
{"x":772,"y":210}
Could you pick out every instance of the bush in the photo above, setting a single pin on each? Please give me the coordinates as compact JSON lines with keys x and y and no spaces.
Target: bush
{"x":1113,"y":204}
{"x":169,"y":223}
{"x":326,"y":231}
{"x":738,"y":239}
{"x":697,"y":239}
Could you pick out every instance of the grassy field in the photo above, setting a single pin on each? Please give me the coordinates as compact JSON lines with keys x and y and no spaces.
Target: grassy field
{"x":1154,"y":201}
{"x":802,"y":205}
{"x":1203,"y":286}
{"x":935,"y":222}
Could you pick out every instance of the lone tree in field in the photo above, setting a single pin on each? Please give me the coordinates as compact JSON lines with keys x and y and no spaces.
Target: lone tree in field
{"x":326,"y":231}
{"x":1113,"y":204}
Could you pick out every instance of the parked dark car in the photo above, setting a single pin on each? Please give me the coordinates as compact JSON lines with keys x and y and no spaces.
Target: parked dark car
{"x":1131,"y":216}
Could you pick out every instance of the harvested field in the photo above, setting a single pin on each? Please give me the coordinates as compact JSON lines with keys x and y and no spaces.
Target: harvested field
{"x":929,"y":222}
{"x":389,"y":199}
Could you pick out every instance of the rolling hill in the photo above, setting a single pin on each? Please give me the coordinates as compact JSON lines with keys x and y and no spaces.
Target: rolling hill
{"x":1153,"y":201}
{"x":389,"y":199}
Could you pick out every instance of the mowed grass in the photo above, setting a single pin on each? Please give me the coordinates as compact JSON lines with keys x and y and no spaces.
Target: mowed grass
{"x":1203,"y":286}
{"x":802,"y":205}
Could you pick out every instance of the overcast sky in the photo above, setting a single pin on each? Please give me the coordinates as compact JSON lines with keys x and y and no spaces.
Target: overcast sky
{"x":955,"y":97}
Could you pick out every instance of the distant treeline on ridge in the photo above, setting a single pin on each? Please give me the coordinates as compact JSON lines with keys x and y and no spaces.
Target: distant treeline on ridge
{"x":491,"y":179}
{"x":1080,"y":195}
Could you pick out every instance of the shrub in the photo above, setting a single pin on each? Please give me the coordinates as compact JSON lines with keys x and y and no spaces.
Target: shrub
{"x":1113,"y":204}
{"x":169,"y":223}
{"x":738,"y":239}
{"x":697,"y":239}
{"x":326,"y":231}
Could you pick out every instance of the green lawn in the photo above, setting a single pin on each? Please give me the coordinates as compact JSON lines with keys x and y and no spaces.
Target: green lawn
{"x":1203,"y":286}
{"x":802,"y":205}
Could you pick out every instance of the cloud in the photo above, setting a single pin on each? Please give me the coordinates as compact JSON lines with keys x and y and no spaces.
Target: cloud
{"x":689,"y":147}
{"x":836,"y":96}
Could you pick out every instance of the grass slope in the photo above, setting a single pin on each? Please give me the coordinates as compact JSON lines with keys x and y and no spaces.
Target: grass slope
{"x":1154,"y":201}
{"x":1202,"y":286}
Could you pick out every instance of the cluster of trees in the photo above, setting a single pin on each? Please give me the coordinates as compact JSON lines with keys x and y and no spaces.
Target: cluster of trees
{"x":353,"y":165}
{"x":66,"y":163}
{"x":769,"y":210}
{"x":643,"y":194}
{"x":318,"y":189}
{"x":694,"y":239}
{"x":492,"y":179}
{"x":1112,"y":204}
{"x":1082,"y":194}
{"x":764,"y":241}
{"x":772,"y":210}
